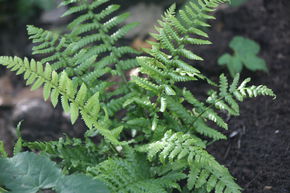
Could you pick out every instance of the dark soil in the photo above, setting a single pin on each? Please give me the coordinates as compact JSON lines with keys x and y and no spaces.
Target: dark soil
{"x":259,"y":155}
{"x":258,"y":150}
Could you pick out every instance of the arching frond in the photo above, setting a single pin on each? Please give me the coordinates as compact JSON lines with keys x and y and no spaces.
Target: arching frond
{"x":204,"y":169}
{"x":133,"y":175}
{"x":60,"y":86}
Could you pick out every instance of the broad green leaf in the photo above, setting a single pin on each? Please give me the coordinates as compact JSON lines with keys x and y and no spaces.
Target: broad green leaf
{"x":254,"y":63}
{"x":80,"y":184}
{"x":45,"y":5}
{"x":245,"y":54}
{"x":224,"y":59}
{"x":235,"y":66}
{"x":244,"y":46}
{"x":29,"y":173}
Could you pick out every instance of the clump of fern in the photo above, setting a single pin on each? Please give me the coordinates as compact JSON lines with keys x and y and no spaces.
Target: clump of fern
{"x":159,"y":139}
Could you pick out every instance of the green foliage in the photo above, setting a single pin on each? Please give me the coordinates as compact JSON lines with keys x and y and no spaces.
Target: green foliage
{"x":29,"y":4}
{"x":146,"y":133}
{"x":245,"y":54}
{"x":28,"y":173}
{"x":55,"y":84}
{"x":3,"y":153}
{"x":89,"y":52}
{"x":2,"y":190}
{"x":76,"y":102}
{"x":236,"y":3}
{"x":73,"y":153}
{"x":23,"y":10}
{"x":204,"y":170}
{"x":134,"y":174}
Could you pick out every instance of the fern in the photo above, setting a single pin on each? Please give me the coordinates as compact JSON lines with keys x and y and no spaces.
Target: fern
{"x":54,"y":84}
{"x":49,"y":43}
{"x":174,"y":147}
{"x":227,"y":97}
{"x":149,"y":116}
{"x":89,"y":51}
{"x":166,"y":66}
{"x":74,"y":153}
{"x":133,"y":174}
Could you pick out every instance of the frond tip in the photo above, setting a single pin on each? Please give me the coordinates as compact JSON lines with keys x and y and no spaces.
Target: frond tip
{"x":228,"y":96}
{"x":56,"y":85}
{"x":60,"y":86}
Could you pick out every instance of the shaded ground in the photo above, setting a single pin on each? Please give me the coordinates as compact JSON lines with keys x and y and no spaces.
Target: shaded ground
{"x":258,"y":154}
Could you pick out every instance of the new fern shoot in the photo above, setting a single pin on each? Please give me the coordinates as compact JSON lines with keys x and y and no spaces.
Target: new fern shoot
{"x":158,"y":143}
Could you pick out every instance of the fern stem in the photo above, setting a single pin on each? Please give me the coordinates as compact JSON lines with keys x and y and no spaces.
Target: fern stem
{"x":209,"y":107}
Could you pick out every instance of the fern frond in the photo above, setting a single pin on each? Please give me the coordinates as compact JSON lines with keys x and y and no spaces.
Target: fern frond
{"x":145,"y":84}
{"x":90,"y":51}
{"x":56,"y":85}
{"x":74,"y":153}
{"x":202,"y":128}
{"x":116,"y":105}
{"x":52,"y":45}
{"x":177,"y":108}
{"x":174,"y":33}
{"x":203,"y":110}
{"x":227,"y":98}
{"x":154,"y":69}
{"x":133,"y":175}
{"x":178,"y":146}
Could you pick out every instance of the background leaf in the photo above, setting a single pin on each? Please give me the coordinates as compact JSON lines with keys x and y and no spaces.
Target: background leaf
{"x":255,"y":63}
{"x":80,"y":184}
{"x":245,"y":54}
{"x":244,"y":46}
{"x":236,"y":3}
{"x":28,"y":173}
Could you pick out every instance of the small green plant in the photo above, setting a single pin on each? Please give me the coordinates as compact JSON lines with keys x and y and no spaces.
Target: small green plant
{"x":236,"y":3}
{"x":152,"y":133}
{"x":245,"y":55}
{"x":29,"y":4}
{"x":23,"y":10}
